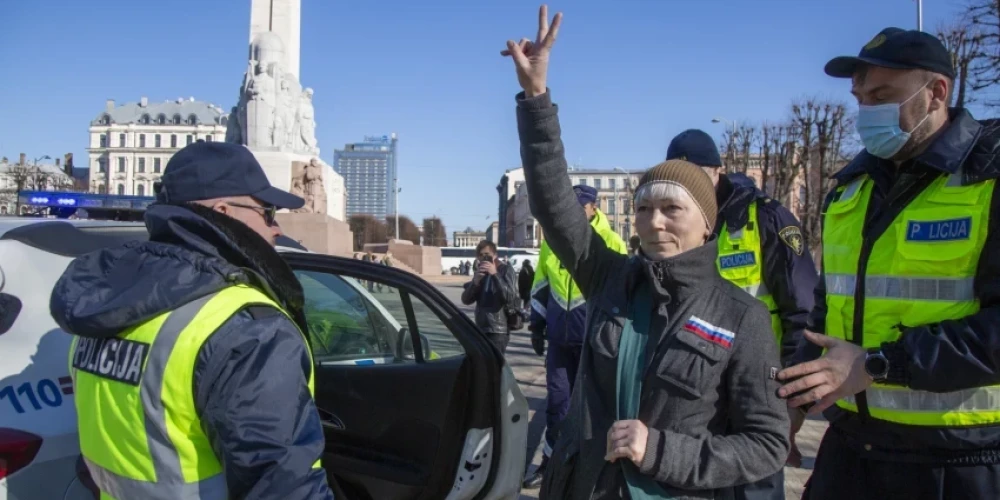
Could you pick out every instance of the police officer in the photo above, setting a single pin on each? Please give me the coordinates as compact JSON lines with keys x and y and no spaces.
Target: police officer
{"x":761,"y":249}
{"x":558,"y":313}
{"x":192,"y":376}
{"x":909,"y":301}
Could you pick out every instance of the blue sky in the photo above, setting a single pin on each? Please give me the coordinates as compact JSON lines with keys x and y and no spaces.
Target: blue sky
{"x":628,"y":74}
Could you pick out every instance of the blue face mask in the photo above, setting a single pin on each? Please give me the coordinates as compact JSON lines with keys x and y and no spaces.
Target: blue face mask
{"x":880,"y":130}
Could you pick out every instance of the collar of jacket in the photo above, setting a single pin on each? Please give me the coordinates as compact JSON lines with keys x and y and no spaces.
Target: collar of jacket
{"x":734,"y":194}
{"x":958,"y":143}
{"x":680,"y":276}
{"x":212,"y":234}
{"x":600,"y":222}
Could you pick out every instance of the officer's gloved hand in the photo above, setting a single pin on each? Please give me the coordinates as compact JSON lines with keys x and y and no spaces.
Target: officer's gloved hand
{"x":538,"y":341}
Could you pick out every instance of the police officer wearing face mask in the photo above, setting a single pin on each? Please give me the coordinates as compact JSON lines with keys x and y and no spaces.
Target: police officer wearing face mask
{"x":908,"y":305}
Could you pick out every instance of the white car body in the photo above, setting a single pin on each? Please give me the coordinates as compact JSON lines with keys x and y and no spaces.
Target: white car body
{"x":36,"y":390}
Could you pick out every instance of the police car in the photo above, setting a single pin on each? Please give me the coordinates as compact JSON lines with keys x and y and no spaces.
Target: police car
{"x":443,"y":420}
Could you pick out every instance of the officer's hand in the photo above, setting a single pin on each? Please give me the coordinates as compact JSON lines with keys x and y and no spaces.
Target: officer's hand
{"x":836,"y":375}
{"x":538,"y":342}
{"x":531,"y":59}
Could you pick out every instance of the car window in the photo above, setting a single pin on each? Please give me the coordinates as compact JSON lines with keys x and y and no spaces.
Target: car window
{"x":342,"y":326}
{"x":367,"y":322}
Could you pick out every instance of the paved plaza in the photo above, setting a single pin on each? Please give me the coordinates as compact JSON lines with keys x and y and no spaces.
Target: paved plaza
{"x":530,"y":372}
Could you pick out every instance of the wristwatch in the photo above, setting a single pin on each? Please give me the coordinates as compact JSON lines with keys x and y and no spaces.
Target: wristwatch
{"x":876,"y":364}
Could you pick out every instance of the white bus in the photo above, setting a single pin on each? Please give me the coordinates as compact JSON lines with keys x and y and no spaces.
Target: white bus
{"x":451,"y":257}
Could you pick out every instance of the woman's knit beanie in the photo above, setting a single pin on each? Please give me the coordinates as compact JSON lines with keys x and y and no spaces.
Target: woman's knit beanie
{"x":691,"y":178}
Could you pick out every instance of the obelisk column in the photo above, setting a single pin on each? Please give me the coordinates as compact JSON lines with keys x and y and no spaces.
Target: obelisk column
{"x":283,"y":17}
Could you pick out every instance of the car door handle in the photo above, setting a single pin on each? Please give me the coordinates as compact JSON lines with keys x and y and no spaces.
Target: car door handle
{"x":331,"y":421}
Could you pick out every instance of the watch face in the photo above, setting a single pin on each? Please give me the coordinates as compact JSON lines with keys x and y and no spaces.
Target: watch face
{"x":876,"y":365}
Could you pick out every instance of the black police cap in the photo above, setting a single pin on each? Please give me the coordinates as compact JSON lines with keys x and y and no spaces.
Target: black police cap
{"x":899,"y":49}
{"x":208,"y":170}
{"x":695,"y":146}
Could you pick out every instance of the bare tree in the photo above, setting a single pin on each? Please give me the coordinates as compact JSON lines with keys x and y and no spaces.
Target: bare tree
{"x":407,"y":228}
{"x":746,"y":141}
{"x":824,"y":129}
{"x":367,"y":229}
{"x":984,"y":21}
{"x":435,"y":234}
{"x":964,"y":44}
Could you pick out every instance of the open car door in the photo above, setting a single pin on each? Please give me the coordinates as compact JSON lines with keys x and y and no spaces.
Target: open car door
{"x":442,"y":420}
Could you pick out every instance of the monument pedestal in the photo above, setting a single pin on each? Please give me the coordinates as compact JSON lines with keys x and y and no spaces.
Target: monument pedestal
{"x":319,"y":233}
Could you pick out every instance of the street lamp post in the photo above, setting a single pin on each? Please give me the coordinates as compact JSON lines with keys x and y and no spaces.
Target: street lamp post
{"x":732,"y":137}
{"x":395,"y":192}
{"x":618,"y":209}
{"x":920,"y":15}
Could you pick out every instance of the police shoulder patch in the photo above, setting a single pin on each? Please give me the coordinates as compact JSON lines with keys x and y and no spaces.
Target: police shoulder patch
{"x":792,"y":236}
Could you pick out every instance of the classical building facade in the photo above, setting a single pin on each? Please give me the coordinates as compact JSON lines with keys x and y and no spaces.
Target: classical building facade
{"x":467,"y":238}
{"x":130,"y":144}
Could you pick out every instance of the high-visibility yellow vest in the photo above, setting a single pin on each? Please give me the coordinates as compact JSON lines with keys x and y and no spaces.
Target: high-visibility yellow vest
{"x":741,"y":261}
{"x":551,"y":273}
{"x":920,"y":271}
{"x":140,"y":433}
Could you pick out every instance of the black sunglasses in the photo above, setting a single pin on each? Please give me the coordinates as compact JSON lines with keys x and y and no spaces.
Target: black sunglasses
{"x":266,"y":212}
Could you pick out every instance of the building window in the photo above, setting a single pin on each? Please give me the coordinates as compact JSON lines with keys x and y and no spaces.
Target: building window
{"x":105,"y":120}
{"x":597,"y":184}
{"x":102,"y":165}
{"x":190,"y":139}
{"x":121,"y":140}
{"x":156,"y":140}
{"x":141,"y":167}
{"x":140,"y":190}
{"x":142,"y":140}
{"x":611,"y":207}
{"x":208,"y":138}
{"x":611,"y":183}
{"x":156,"y":165}
{"x":144,"y":120}
{"x":121,"y":163}
{"x":583,"y":181}
{"x":104,"y":141}
{"x":162,"y":119}
{"x":192,"y":119}
{"x":177,"y":119}
{"x":121,"y":190}
{"x":173,"y":140}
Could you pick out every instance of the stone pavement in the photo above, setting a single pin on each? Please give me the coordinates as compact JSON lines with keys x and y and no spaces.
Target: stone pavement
{"x":529,"y":369}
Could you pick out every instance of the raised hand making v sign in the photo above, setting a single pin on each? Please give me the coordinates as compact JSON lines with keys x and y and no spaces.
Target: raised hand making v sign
{"x":531,"y":59}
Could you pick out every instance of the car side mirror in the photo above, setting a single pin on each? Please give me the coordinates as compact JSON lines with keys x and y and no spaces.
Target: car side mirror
{"x":404,"y":345}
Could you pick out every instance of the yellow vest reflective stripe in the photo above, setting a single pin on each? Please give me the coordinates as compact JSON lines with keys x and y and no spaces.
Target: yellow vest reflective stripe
{"x":551,"y":273}
{"x":140,"y":433}
{"x":741,"y":261}
{"x":920,"y":271}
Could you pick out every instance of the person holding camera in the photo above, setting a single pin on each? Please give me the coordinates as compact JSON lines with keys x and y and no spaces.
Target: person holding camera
{"x":493,"y":290}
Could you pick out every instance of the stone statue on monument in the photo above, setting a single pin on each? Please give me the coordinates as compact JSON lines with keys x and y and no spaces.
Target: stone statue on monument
{"x":306,"y":121}
{"x":307,"y":182}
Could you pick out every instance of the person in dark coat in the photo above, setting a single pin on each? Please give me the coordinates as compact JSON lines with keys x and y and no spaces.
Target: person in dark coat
{"x":676,"y":396}
{"x":493,"y":290}
{"x":524,"y":279}
{"x":762,"y":250}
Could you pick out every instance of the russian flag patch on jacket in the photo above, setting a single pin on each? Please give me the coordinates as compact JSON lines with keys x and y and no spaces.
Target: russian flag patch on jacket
{"x":710,"y":332}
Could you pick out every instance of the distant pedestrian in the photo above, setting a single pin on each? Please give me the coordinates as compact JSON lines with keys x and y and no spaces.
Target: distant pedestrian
{"x":524,"y":280}
{"x":493,"y":290}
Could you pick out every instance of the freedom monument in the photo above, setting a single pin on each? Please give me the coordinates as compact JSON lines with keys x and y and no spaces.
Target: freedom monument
{"x":275,"y":119}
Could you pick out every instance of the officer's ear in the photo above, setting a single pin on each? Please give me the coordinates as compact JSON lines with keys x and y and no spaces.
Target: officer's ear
{"x":941,"y":88}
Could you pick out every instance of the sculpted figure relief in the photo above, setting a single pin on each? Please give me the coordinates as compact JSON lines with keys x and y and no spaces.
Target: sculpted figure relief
{"x":273,"y":112}
{"x":306,"y":121}
{"x":307,"y":182}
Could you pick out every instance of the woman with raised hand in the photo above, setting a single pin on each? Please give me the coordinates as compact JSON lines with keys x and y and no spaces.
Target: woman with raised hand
{"x":676,"y":390}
